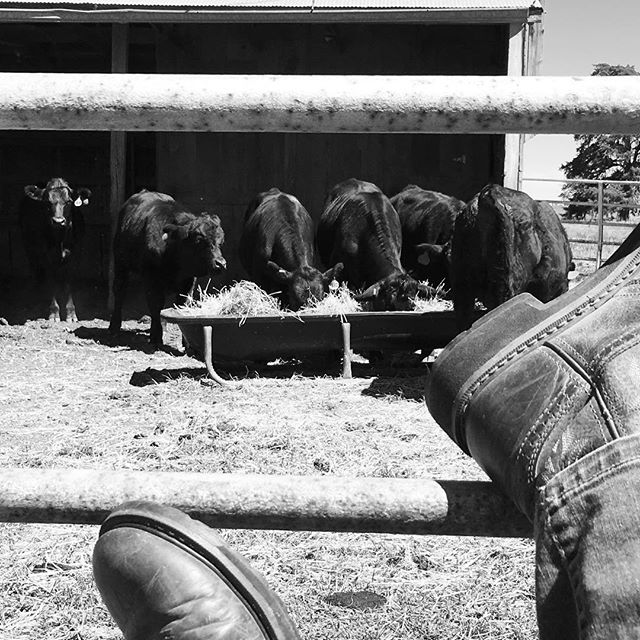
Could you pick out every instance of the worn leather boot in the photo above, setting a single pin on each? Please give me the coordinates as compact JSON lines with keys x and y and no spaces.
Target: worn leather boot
{"x":165,"y":576}
{"x":532,"y":387}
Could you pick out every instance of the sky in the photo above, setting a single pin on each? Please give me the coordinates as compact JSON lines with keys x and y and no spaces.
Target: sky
{"x":577,"y":35}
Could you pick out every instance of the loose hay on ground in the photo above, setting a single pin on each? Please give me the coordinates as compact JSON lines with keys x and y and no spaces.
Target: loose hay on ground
{"x":67,"y":401}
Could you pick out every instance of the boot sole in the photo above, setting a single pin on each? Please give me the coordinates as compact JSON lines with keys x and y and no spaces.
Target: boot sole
{"x":535,"y":322}
{"x":199,"y":541}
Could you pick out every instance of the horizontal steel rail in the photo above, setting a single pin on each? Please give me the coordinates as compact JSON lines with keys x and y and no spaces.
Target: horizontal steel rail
{"x":320,"y":104}
{"x":298,"y":503}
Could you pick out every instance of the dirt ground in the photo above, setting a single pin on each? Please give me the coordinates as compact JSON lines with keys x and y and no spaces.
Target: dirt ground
{"x":71,"y":396}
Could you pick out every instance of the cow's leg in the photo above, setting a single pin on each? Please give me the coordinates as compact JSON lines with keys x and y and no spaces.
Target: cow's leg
{"x":51,"y":292}
{"x":155,"y":301}
{"x":120,"y":281}
{"x":463,"y":305}
{"x":71,"y":307}
{"x":54,"y":309}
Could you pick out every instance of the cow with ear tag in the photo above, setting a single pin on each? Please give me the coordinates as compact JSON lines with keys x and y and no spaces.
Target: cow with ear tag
{"x":52,"y":229}
{"x":168,"y":246}
{"x":277,"y":249}
{"x":360,"y":228}
{"x":427,"y":219}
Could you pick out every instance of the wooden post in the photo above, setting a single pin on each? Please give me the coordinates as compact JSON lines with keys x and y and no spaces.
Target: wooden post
{"x":118,"y":146}
{"x":513,"y":142}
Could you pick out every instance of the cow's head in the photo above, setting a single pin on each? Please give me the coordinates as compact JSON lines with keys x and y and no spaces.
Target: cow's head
{"x":394,"y":293}
{"x":60,"y":198}
{"x":199,"y":242}
{"x":304,"y":284}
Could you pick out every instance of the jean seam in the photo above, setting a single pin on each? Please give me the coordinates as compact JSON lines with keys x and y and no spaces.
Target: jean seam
{"x":613,"y":289}
{"x":603,"y":473}
{"x":566,"y":565}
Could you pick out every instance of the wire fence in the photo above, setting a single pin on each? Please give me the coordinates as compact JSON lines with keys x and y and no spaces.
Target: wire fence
{"x":593,"y":236}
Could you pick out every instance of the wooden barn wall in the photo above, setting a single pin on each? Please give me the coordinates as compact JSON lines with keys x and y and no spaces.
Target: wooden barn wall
{"x":32,"y":157}
{"x":222,"y":172}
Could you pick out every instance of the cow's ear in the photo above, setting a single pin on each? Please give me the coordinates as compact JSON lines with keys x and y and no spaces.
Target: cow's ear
{"x":278,"y":273}
{"x":427,"y":252}
{"x":173,"y":232}
{"x":33,"y":192}
{"x":335,"y":273}
{"x":369,"y":294}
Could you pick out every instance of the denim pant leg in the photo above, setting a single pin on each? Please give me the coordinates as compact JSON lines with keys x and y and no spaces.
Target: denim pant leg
{"x":587,"y":531}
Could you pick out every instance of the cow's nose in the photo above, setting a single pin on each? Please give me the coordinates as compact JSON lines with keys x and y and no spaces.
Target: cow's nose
{"x":220,"y":264}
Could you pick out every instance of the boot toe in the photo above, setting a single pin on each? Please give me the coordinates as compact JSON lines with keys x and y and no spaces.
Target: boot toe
{"x":163,"y":575}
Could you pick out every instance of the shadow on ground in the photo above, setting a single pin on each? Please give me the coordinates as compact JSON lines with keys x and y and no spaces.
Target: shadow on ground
{"x":135,"y":339}
{"x":158,"y":376}
{"x":386,"y":381}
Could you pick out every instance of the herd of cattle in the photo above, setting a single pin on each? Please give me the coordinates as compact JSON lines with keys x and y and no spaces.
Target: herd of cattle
{"x":495,"y":246}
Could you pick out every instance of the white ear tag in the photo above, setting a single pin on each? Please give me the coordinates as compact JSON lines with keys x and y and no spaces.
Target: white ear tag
{"x":78,"y":201}
{"x":85,"y":201}
{"x":165,"y":237}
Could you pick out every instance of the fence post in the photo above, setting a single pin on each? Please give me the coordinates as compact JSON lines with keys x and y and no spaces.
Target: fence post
{"x":600,"y":224}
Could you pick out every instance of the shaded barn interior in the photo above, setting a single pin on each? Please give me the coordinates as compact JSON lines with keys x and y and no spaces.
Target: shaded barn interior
{"x":221,"y":172}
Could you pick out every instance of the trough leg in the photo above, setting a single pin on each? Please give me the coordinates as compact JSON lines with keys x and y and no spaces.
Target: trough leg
{"x":207,"y":331}
{"x":346,"y":350}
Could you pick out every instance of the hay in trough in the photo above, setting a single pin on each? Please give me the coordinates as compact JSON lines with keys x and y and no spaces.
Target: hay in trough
{"x":242,"y":299}
{"x":435,"y":302}
{"x":338,"y":302}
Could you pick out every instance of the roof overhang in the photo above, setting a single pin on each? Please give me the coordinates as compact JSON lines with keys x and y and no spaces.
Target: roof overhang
{"x":407,"y":11}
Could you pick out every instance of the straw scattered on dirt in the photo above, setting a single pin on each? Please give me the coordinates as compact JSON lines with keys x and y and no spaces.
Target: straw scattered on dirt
{"x":71,"y":396}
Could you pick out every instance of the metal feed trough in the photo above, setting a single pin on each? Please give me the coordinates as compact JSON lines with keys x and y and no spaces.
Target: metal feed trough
{"x":263,"y":338}
{"x":331,"y":104}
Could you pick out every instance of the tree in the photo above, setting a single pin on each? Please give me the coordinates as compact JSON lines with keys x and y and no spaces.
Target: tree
{"x":601,"y":157}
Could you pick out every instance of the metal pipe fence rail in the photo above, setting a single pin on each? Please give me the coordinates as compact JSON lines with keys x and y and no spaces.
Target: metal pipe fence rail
{"x":320,"y":104}
{"x":297,"y":503}
{"x":305,"y":104}
{"x":600,"y":206}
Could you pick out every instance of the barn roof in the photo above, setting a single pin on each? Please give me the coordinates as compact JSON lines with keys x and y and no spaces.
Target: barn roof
{"x":461,"y":11}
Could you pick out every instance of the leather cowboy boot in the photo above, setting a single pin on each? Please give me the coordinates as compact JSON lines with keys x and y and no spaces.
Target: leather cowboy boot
{"x":163,"y":575}
{"x":532,"y":387}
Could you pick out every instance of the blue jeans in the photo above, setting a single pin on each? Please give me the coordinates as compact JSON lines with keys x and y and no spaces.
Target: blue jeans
{"x":587,"y":531}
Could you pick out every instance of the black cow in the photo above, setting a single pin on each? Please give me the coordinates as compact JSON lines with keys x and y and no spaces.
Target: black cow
{"x":166,"y":243}
{"x":52,"y":228}
{"x":360,"y":228}
{"x":505,"y":243}
{"x":427,"y":219}
{"x":277,"y":249}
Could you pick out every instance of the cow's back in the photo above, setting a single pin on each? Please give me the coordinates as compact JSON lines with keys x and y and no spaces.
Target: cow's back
{"x":426,"y":218}
{"x":278,"y":228}
{"x":360,"y":228}
{"x":550,"y":277}
{"x":141,"y":221}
